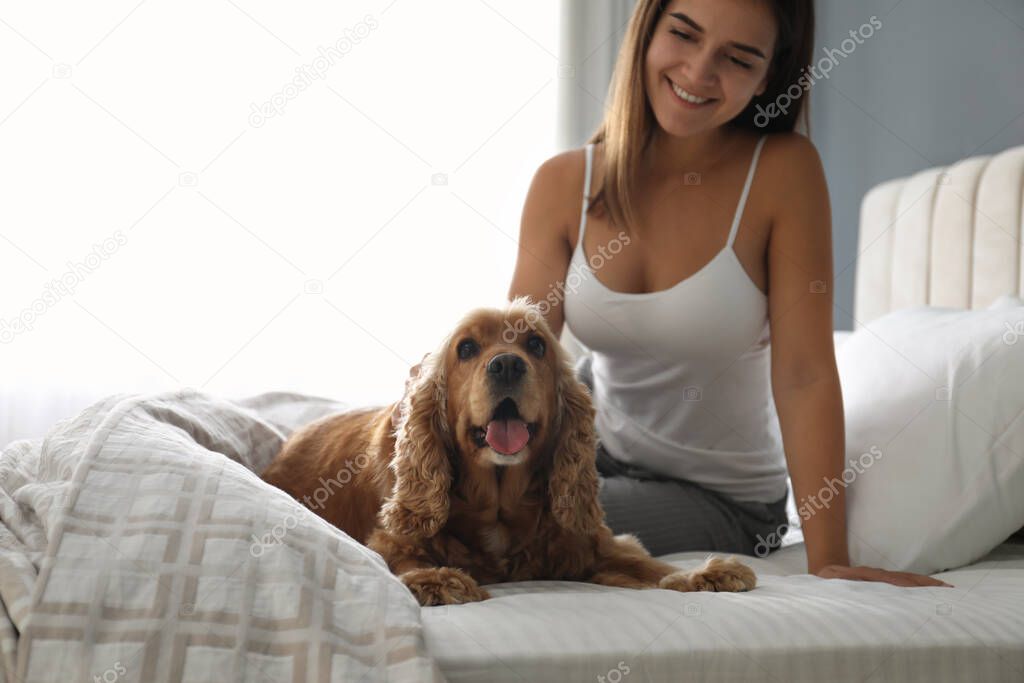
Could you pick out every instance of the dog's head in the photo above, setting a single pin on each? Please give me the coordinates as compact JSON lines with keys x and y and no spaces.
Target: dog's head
{"x":500,"y":390}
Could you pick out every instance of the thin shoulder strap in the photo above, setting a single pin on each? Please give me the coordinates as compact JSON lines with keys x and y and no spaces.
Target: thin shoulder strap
{"x":586,"y":190}
{"x":746,"y":191}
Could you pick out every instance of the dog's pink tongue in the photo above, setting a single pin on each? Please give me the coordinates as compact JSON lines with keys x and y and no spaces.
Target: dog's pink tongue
{"x":507,"y":436}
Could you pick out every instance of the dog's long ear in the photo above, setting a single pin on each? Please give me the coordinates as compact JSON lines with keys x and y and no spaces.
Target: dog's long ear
{"x":418,"y":504}
{"x":573,"y":484}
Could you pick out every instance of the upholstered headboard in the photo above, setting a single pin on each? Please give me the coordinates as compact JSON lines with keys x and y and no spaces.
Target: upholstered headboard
{"x":942,"y":237}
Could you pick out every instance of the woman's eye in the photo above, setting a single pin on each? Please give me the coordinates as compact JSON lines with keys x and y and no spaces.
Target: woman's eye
{"x":686,"y":37}
{"x":467,"y":349}
{"x":536,"y":345}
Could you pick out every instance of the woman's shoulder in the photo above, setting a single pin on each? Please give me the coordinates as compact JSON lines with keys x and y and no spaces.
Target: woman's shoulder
{"x":792,"y":178}
{"x":786,"y":152}
{"x":788,"y":161}
{"x":556,"y":191}
{"x":562,"y":175}
{"x":568,"y":164}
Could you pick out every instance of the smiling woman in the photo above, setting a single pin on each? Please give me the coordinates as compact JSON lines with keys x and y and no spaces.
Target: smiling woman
{"x":709,"y":339}
{"x":739,"y":56}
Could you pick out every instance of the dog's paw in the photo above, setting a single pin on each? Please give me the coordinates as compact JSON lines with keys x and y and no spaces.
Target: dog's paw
{"x":718,"y":574}
{"x":443,"y":586}
{"x":677,"y":581}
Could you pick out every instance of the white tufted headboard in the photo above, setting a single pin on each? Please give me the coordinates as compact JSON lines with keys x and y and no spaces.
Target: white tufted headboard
{"x":942,"y":237}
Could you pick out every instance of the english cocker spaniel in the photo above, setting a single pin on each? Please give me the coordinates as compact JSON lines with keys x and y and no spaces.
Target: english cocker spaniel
{"x":489,"y":476}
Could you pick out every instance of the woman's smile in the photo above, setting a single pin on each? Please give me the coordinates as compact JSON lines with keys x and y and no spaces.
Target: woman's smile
{"x":687,"y":98}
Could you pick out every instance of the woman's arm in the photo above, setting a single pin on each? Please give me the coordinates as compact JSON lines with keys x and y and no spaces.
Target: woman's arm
{"x":805,"y":381}
{"x":544,"y":249}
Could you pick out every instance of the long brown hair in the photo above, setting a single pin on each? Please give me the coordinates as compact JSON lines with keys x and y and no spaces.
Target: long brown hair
{"x":629,"y":123}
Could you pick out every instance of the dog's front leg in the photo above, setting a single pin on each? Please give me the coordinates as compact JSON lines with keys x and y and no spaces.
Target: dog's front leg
{"x":443,"y":586}
{"x":726,"y":575}
{"x":625,"y":562}
{"x":430,"y":583}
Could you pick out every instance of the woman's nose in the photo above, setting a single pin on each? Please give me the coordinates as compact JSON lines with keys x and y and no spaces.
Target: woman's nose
{"x":700,"y":68}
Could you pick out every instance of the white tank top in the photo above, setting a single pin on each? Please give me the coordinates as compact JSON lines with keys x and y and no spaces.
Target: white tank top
{"x":682,"y":380}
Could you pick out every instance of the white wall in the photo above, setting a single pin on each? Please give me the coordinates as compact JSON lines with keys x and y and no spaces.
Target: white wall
{"x":322,"y":249}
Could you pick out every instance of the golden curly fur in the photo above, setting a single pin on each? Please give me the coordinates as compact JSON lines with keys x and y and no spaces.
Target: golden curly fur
{"x":449,"y":512}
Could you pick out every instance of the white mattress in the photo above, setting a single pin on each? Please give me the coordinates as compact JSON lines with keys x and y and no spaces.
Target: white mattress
{"x":792,"y":627}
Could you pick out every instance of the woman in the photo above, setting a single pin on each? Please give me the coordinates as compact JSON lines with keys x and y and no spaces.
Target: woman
{"x":697,"y":273}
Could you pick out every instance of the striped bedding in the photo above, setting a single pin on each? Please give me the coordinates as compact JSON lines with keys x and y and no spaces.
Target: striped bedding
{"x":792,"y":627}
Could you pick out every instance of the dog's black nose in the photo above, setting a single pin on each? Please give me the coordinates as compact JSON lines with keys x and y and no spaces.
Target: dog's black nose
{"x":506,"y":369}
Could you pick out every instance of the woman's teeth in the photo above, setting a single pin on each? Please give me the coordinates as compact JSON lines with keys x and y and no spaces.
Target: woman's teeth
{"x":692,"y":99}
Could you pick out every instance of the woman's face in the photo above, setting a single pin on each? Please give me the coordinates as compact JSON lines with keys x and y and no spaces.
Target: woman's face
{"x":717,"y":52}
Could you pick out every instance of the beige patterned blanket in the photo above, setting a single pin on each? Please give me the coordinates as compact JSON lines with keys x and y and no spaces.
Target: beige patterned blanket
{"x":137,"y":544}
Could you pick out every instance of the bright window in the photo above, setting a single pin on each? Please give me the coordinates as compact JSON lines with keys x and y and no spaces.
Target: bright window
{"x":178,"y":211}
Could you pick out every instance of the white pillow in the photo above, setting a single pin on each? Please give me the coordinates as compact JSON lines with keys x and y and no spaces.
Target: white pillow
{"x":933,"y":400}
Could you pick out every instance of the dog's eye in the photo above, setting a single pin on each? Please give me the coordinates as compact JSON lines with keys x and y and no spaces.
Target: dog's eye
{"x":467,"y":349}
{"x":536,"y":346}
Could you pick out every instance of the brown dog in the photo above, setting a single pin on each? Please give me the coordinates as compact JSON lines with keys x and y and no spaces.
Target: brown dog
{"x":489,"y":477}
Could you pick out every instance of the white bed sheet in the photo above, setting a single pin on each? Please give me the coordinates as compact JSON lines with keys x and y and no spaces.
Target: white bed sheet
{"x":792,"y":627}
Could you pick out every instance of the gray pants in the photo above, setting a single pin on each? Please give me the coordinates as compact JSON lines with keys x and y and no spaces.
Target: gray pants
{"x":671,"y":515}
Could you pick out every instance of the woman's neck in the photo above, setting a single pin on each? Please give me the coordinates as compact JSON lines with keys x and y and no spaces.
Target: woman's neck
{"x":669,"y":155}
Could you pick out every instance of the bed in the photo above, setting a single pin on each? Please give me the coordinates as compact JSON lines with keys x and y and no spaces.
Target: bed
{"x":793,"y":627}
{"x":943,"y":237}
{"x":138,"y":544}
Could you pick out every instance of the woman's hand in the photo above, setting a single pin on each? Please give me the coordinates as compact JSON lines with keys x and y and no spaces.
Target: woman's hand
{"x":838,"y":571}
{"x":414,"y":372}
